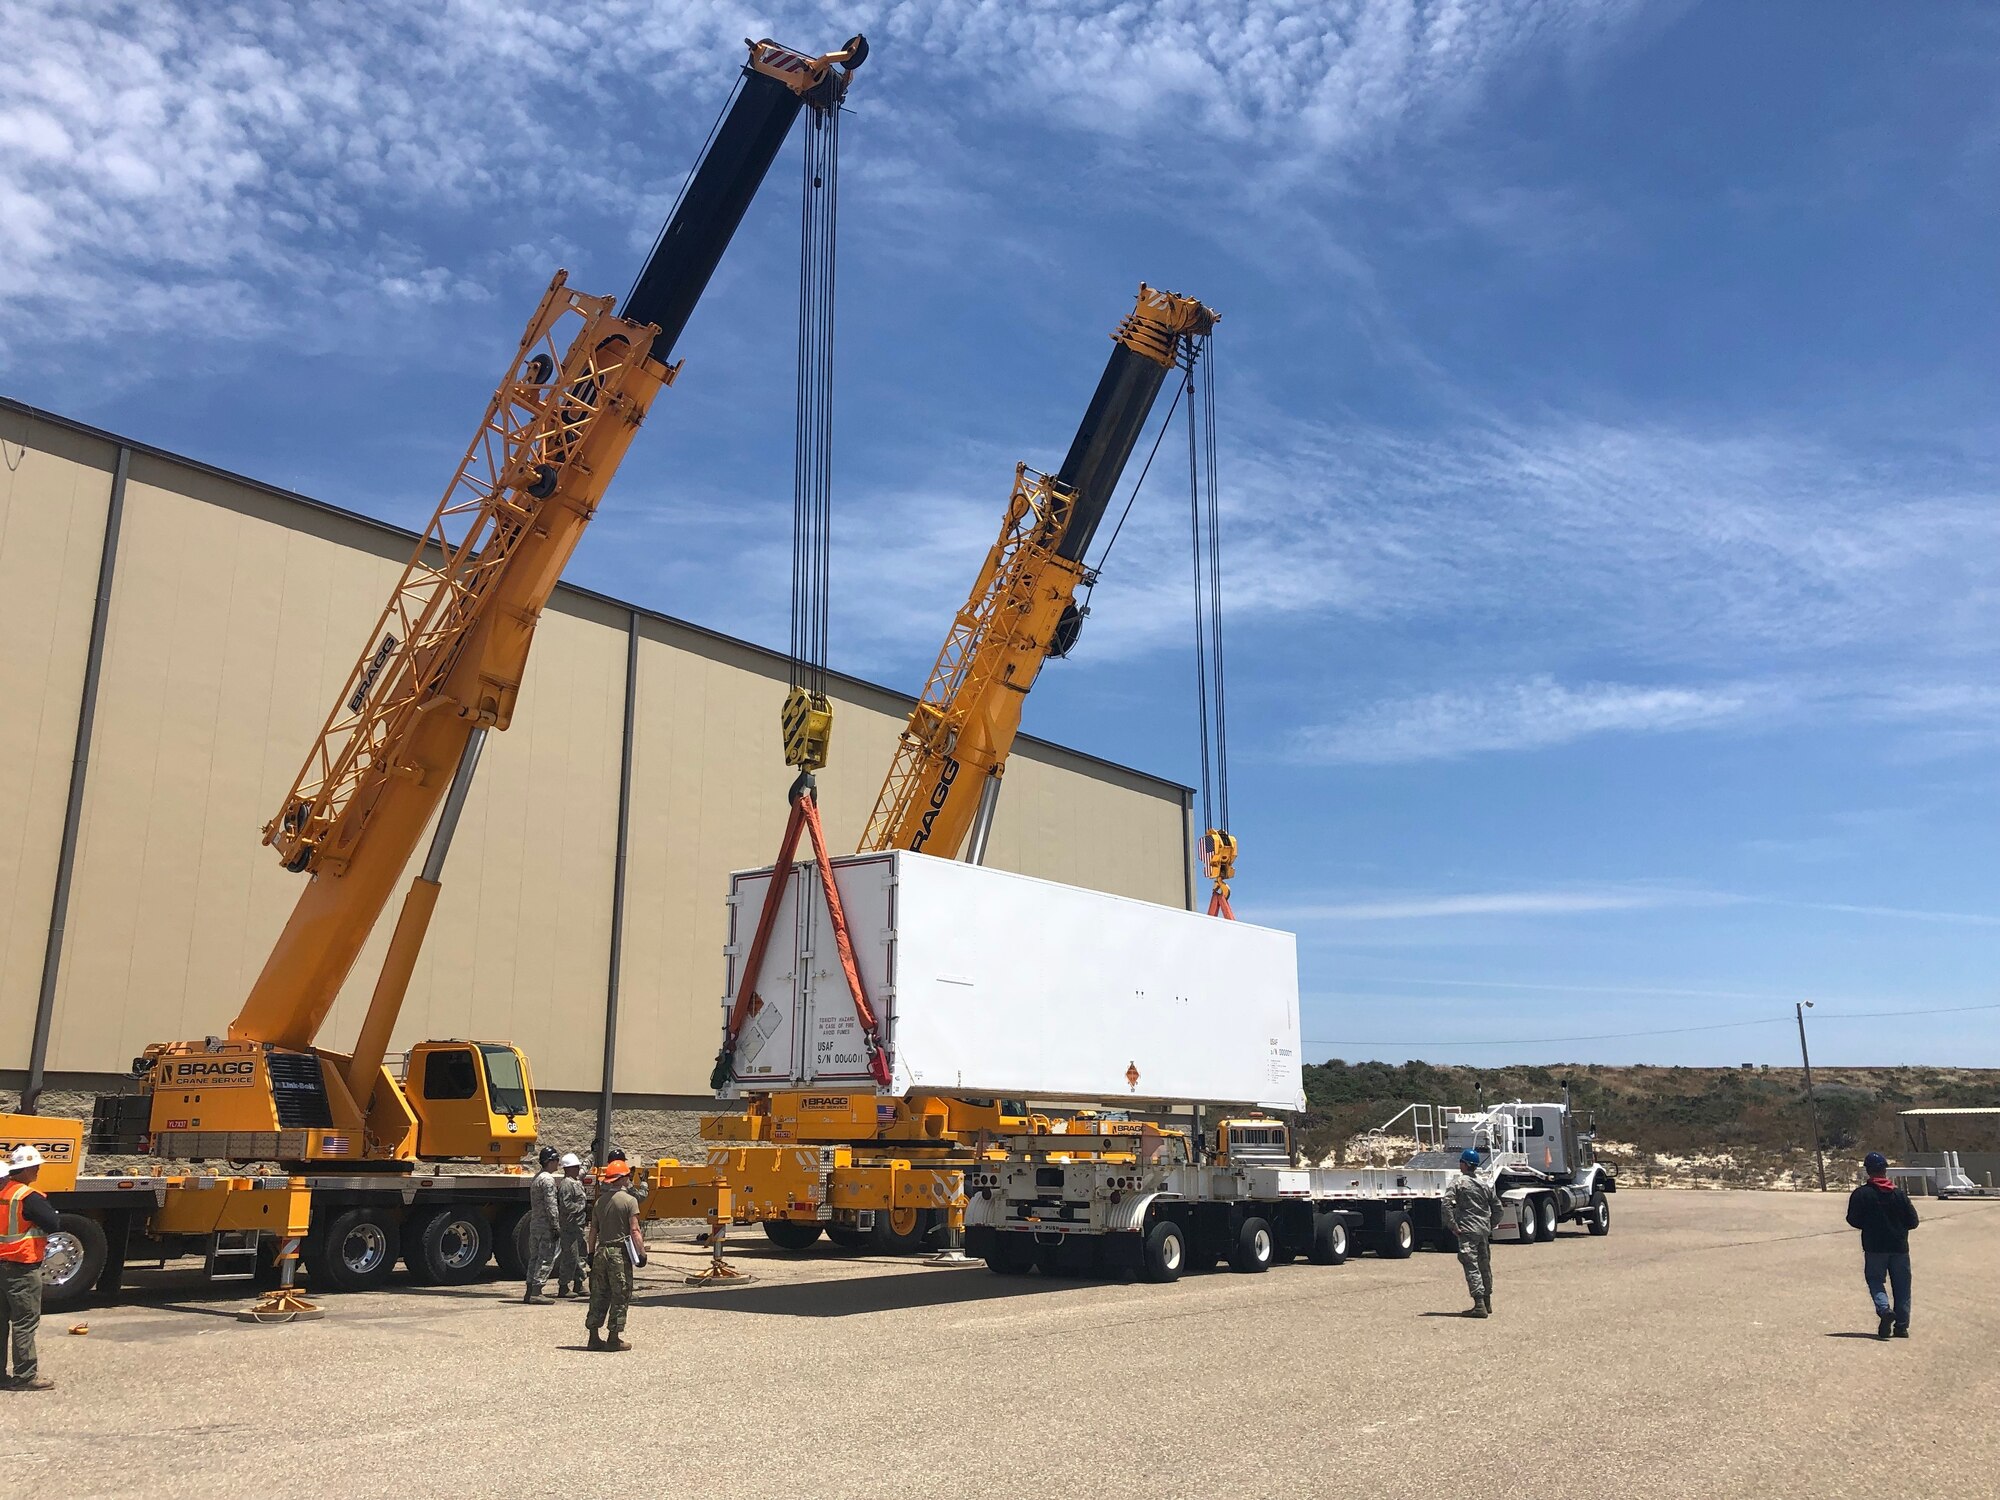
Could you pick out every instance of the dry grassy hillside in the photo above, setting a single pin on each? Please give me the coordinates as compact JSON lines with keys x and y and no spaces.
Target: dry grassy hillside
{"x":1692,"y":1127}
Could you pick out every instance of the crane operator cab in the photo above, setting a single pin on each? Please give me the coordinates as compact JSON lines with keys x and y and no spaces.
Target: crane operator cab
{"x":472,"y":1100}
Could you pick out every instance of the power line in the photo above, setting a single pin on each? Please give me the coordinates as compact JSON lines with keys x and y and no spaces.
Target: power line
{"x":1615,"y":1036}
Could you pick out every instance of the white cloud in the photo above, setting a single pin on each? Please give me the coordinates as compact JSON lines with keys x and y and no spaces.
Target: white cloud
{"x":176,"y":165}
{"x":1524,"y":715}
{"x":1484,"y":904}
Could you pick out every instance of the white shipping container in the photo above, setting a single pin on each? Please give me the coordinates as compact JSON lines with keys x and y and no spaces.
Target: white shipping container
{"x":998,"y":985}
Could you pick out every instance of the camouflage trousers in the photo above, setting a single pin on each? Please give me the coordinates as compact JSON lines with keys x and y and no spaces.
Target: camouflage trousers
{"x":610,"y":1289}
{"x":1475,"y":1254}
{"x":541,"y":1258}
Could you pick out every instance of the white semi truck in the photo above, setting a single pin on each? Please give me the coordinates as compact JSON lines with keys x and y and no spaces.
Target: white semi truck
{"x":1152,"y":1204}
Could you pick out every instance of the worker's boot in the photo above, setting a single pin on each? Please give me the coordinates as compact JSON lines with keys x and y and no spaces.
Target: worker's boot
{"x":618,"y":1344}
{"x":1479,"y":1309}
{"x":535,"y":1299}
{"x":596,"y":1342}
{"x":33,"y":1383}
{"x":1884,"y":1325}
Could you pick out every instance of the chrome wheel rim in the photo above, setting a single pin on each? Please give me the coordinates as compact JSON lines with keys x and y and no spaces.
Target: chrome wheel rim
{"x":364,"y":1249}
{"x":62,"y":1259}
{"x":459,"y":1244}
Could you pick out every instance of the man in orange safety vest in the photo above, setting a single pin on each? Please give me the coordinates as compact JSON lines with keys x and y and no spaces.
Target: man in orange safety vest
{"x":27,"y":1219}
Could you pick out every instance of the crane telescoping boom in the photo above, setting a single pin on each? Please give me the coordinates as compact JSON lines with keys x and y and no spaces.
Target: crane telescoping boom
{"x":445,"y":663}
{"x":945,"y":776}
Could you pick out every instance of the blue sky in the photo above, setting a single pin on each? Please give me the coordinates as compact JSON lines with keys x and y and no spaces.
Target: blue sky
{"x":1606,"y":395}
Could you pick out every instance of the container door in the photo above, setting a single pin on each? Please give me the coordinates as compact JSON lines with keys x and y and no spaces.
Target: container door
{"x":834,"y":1052}
{"x":767,"y":1049}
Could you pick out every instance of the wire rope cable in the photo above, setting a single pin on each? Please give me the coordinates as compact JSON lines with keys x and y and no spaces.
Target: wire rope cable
{"x":1205,"y":551}
{"x":812,"y":451}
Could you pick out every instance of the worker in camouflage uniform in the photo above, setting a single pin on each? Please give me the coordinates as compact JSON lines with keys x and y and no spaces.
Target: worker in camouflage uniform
{"x":1471,"y":1210}
{"x":544,"y":1226}
{"x":573,"y":1204}
{"x":615,"y":1248}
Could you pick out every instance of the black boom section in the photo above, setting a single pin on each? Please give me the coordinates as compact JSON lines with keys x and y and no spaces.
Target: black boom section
{"x":1104,"y":442}
{"x":725,"y":180}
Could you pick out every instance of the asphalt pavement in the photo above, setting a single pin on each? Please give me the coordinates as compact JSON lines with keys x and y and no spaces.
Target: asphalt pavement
{"x":1715,"y":1344}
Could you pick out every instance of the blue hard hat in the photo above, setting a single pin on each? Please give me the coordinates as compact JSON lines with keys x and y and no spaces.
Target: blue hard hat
{"x":1469,"y":1155}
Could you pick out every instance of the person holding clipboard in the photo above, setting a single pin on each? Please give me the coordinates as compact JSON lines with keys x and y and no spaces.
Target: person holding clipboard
{"x":616,"y":1246}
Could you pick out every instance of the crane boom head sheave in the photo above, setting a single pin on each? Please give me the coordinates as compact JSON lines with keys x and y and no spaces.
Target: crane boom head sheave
{"x":1151,"y":341}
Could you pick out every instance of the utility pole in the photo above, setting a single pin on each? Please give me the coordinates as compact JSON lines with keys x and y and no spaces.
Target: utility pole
{"x":1812,"y":1101}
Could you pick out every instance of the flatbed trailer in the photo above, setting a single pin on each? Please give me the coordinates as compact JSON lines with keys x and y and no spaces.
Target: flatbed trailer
{"x":1072,"y":1204}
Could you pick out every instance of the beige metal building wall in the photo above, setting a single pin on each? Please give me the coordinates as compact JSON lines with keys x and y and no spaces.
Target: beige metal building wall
{"x":235,"y":612}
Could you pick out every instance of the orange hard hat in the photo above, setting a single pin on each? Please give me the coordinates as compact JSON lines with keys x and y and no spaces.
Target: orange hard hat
{"x":613,"y":1169}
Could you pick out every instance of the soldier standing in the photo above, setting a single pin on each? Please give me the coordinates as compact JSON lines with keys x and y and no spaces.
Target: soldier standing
{"x":1471,"y":1208}
{"x":544,"y":1226}
{"x":572,"y":1261}
{"x":615,"y":1248}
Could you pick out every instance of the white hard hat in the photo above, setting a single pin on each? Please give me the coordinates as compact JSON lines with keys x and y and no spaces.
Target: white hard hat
{"x":571,"y":1159}
{"x":25,"y":1157}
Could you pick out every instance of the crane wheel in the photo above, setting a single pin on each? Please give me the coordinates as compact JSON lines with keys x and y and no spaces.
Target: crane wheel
{"x":72,"y":1259}
{"x":900,"y":1231}
{"x":448,"y":1247}
{"x":847,"y":1237}
{"x":791,"y":1234}
{"x":510,"y":1242}
{"x":354,"y":1251}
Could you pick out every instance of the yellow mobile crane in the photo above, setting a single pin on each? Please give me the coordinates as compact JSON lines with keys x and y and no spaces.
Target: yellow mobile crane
{"x":803,"y":1162}
{"x":441,"y":669}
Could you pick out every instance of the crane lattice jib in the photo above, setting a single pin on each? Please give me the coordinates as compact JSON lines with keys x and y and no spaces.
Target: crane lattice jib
{"x":449,"y":651}
{"x":525,"y":464}
{"x":999,"y":636}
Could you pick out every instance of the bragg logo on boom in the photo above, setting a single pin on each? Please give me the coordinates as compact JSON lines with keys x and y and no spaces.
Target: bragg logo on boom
{"x":220,"y":1073}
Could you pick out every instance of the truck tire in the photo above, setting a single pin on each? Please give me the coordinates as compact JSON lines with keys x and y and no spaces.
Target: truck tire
{"x":1524,"y":1222}
{"x":1165,"y":1253}
{"x":1398,"y":1236}
{"x":448,"y":1246}
{"x":1011,"y":1254}
{"x":1597,"y":1216}
{"x":510,"y":1242}
{"x":1329,"y":1241}
{"x":72,"y":1260}
{"x":792,"y":1234}
{"x":1545,"y":1218}
{"x":900,"y":1231}
{"x":354,"y":1251}
{"x":1254,"y":1247}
